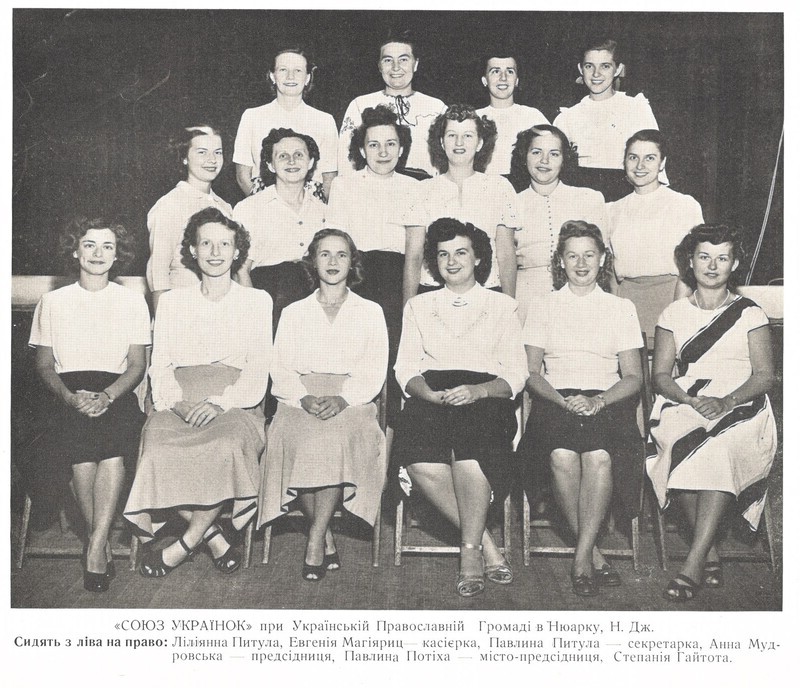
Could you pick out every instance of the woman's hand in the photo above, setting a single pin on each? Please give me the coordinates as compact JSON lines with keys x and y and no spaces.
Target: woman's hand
{"x":100,"y":403}
{"x":310,"y":404}
{"x":584,"y":406}
{"x":330,"y":407}
{"x":82,"y":401}
{"x":197,"y":415}
{"x":463,"y":395}
{"x":711,"y":408}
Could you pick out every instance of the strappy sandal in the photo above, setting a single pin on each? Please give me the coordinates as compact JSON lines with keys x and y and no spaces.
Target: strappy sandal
{"x":712,"y":574}
{"x":470,"y":584}
{"x":230,"y":560}
{"x":499,"y":574}
{"x":153,"y":565}
{"x":607,"y":577}
{"x":681,"y":589}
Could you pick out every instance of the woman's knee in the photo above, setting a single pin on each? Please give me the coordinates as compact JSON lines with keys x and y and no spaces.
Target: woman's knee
{"x":598,"y":461}
{"x":419,"y":472}
{"x":564,"y":461}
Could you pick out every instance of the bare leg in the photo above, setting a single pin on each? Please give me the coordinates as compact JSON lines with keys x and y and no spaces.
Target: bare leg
{"x":472,"y":498}
{"x":82,"y":486}
{"x":200,"y":521}
{"x":595,"y":496}
{"x":325,"y":501}
{"x":688,"y":502}
{"x":305,"y":501}
{"x":711,"y":506}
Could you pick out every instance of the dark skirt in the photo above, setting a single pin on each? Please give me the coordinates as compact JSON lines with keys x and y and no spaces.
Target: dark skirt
{"x":613,"y":430}
{"x":69,"y":437}
{"x":613,"y":184}
{"x":285,"y":282}
{"x":483,"y":431}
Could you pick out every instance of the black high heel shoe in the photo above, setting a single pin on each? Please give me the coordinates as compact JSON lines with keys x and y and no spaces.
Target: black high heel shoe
{"x":230,"y":560}
{"x":95,"y":582}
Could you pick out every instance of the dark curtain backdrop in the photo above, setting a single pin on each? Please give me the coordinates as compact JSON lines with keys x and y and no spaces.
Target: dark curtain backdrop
{"x":98,"y":93}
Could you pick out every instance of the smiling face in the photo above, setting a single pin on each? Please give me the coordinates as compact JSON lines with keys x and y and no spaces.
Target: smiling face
{"x":456,"y":262}
{"x":96,"y":252}
{"x":713,"y":264}
{"x":501,"y":77}
{"x":290,"y":160}
{"x":643,"y":162}
{"x":545,"y":159}
{"x":215,"y":249}
{"x":204,"y":159}
{"x":461,"y":142}
{"x":397,"y":65}
{"x":382,"y":149}
{"x":333,"y":260}
{"x":581,"y":260}
{"x":290,"y":75}
{"x":598,"y":70}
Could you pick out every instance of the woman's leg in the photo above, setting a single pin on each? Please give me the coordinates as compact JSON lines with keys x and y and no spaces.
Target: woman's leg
{"x":305,"y":501}
{"x":709,"y":510}
{"x":324,"y":504}
{"x":199,"y":522}
{"x":595,"y":497}
{"x":688,"y":502}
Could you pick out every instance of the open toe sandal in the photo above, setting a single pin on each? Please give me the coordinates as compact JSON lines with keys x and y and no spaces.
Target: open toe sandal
{"x":681,"y":589}
{"x":712,"y":574}
{"x":500,"y":574}
{"x":153,"y":565}
{"x":230,"y":560}
{"x":470,"y":584}
{"x":331,"y":562}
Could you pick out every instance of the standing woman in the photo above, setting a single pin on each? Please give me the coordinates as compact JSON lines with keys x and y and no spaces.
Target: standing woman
{"x":712,"y":425}
{"x":325,"y":445}
{"x":282,"y":219}
{"x":291,"y":78}
{"x":199,"y":152}
{"x":583,"y":356}
{"x":90,"y":339}
{"x":541,"y":156}
{"x":645,"y":227}
{"x":460,"y":365}
{"x":200,"y":449}
{"x":460,"y":144}
{"x":598,"y":126}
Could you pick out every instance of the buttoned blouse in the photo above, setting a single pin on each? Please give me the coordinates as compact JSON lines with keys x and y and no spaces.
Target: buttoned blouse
{"x":582,"y":336}
{"x":277,"y":232}
{"x":375,"y":211}
{"x":510,"y":121}
{"x":355,"y":344}
{"x":191,"y":330}
{"x":483,"y":336}
{"x":166,"y":223}
{"x":91,"y":330}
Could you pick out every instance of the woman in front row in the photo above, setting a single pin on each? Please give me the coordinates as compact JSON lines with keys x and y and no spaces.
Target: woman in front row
{"x":211,"y":355}
{"x":325,"y":444}
{"x":460,"y":365}
{"x":712,"y":425}
{"x":583,"y":356}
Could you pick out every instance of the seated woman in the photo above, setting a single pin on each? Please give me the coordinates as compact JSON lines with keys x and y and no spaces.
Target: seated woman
{"x":211,"y":355}
{"x":460,"y":365}
{"x":712,"y":425}
{"x":325,"y":444}
{"x":282,"y":219}
{"x":583,"y":356}
{"x":90,"y":339}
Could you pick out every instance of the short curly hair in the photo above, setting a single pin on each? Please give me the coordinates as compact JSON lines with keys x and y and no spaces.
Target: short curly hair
{"x":713,"y":234}
{"x":356,"y":274}
{"x":380,"y":115}
{"x":447,"y":229}
{"x":212,"y":215}
{"x":181,"y":142}
{"x":72,"y":233}
{"x":268,"y":144}
{"x":487,"y":133}
{"x":573,"y":229}
{"x":520,"y":177}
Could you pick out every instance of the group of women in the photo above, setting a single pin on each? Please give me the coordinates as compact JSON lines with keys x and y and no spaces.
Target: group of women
{"x":320,"y":287}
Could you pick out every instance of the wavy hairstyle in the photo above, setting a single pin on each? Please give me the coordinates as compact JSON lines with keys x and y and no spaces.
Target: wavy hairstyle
{"x":649,"y":136}
{"x":380,"y":115}
{"x":713,"y":234}
{"x":311,"y":67}
{"x":447,"y":229}
{"x":573,"y":229}
{"x":487,"y":133}
{"x":212,"y":215}
{"x":72,"y":233}
{"x":520,"y":177}
{"x":602,"y":44}
{"x":356,"y":274}
{"x":268,"y":144}
{"x":180,"y":143}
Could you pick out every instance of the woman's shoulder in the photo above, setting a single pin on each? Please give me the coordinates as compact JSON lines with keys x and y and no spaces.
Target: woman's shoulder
{"x":582,"y":193}
{"x":249,"y":294}
{"x":500,"y":301}
{"x":168,"y":198}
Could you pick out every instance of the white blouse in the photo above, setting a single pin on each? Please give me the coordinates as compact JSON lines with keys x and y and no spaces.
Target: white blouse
{"x":483,"y":336}
{"x":91,"y":330}
{"x":354,"y":344}
{"x":510,"y":121}
{"x":191,"y":330}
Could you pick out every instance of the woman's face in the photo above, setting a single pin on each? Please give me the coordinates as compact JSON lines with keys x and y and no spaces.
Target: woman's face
{"x":333,"y":260}
{"x":382,"y":149}
{"x":598,"y":70}
{"x":643,"y":162}
{"x":713,"y":264}
{"x":97,"y":251}
{"x":397,"y":65}
{"x":290,"y":160}
{"x":290,"y":75}
{"x":456,"y":261}
{"x":461,"y":142}
{"x":215,"y":249}
{"x":581,"y":260}
{"x":545,"y":158}
{"x":204,"y":159}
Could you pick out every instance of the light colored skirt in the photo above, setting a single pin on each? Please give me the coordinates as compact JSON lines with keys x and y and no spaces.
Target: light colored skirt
{"x":650,"y":295}
{"x":303,"y":452}
{"x":181,"y":466}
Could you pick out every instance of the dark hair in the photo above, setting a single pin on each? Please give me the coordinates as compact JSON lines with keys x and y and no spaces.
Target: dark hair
{"x":713,"y":234}
{"x":520,"y":177}
{"x":311,"y":67}
{"x":181,"y":142}
{"x":404,"y":36}
{"x":487,"y":132}
{"x":649,"y":136}
{"x":499,"y":54}
{"x":380,"y":115}
{"x":267,"y":176}
{"x":356,"y":274}
{"x":447,"y":229}
{"x":602,"y":44}
{"x":72,"y":233}
{"x":573,"y":229}
{"x":212,"y":215}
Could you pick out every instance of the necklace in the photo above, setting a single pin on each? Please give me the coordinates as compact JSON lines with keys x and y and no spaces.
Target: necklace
{"x":704,"y":307}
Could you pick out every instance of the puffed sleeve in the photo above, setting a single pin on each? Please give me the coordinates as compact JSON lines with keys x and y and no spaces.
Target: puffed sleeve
{"x":40,"y":327}
{"x":286,"y":385}
{"x":511,"y":352}
{"x":369,"y":374}
{"x":328,"y":146}
{"x":249,"y":389}
{"x":166,"y":334}
{"x":507,"y":200}
{"x":645,"y":118}
{"x":242,"y":153}
{"x":164,"y":237}
{"x":352,"y":119}
{"x":411,"y":353}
